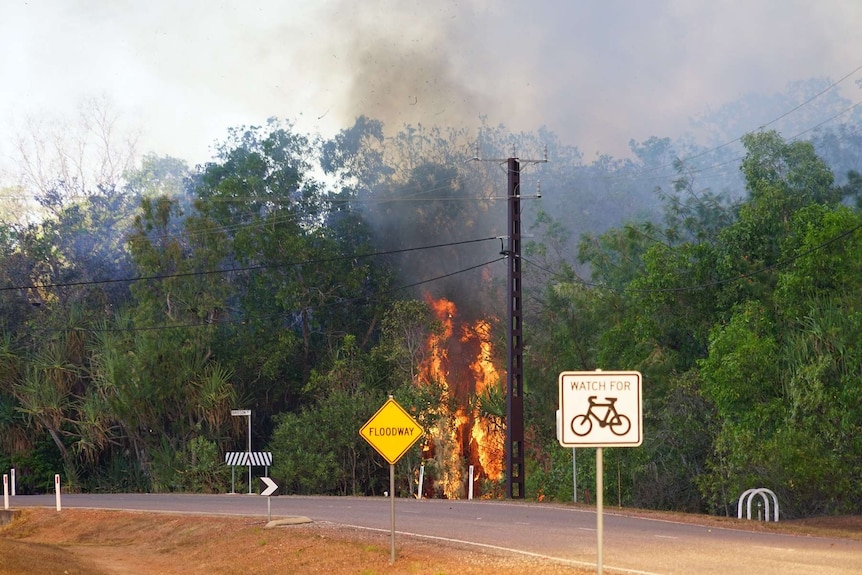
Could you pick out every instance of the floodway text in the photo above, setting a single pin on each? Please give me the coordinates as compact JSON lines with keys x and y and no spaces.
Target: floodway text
{"x":391,"y":431}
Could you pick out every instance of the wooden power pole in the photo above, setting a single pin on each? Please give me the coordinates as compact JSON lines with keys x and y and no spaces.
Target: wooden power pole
{"x":515,"y":476}
{"x":515,"y":337}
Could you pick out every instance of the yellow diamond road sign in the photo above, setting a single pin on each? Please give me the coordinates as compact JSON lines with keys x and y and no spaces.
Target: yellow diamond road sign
{"x":391,"y":431}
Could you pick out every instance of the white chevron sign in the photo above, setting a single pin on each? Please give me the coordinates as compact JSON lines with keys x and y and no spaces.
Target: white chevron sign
{"x":271,"y":486}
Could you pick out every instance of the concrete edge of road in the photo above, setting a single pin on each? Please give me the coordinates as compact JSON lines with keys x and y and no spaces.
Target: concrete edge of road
{"x":298,"y":520}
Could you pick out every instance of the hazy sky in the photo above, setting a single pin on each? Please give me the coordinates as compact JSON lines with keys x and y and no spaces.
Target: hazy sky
{"x":596,"y":72}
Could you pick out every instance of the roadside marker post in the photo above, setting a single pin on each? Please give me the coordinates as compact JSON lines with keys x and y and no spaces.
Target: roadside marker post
{"x":57,"y":490}
{"x":600,"y":409}
{"x":5,"y":491}
{"x":271,"y":487}
{"x":421,"y":479}
{"x":391,"y":432}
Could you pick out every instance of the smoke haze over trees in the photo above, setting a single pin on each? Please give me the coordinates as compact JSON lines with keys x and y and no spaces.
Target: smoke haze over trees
{"x":596,"y":73}
{"x":292,"y":270}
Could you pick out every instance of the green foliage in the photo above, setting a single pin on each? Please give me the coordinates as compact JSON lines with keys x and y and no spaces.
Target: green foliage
{"x":164,"y":469}
{"x":790,"y":459}
{"x":741,"y":372}
{"x":35,"y":468}
{"x":319,"y":450}
{"x":550,"y":477}
{"x":825,"y":248}
{"x":681,"y":426}
{"x":203,"y":470}
{"x":121,"y":473}
{"x":779,"y":371}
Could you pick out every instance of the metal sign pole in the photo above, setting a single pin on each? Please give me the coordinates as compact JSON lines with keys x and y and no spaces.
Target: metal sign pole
{"x":574,"y":476}
{"x":392,"y":511}
{"x":600,"y":409}
{"x":271,"y":488}
{"x":391,"y":431}
{"x":600,"y":500}
{"x":245,"y":413}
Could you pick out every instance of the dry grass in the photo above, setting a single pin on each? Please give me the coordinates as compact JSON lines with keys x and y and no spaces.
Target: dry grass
{"x":78,"y":542}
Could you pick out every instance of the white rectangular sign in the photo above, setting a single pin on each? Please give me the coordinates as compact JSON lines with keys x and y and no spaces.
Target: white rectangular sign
{"x":238,"y":412}
{"x":600,"y":409}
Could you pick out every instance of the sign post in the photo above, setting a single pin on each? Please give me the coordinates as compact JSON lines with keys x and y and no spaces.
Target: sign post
{"x":245,"y":413}
{"x":271,"y":487}
{"x":574,"y":476}
{"x":600,"y":409}
{"x":391,"y":431}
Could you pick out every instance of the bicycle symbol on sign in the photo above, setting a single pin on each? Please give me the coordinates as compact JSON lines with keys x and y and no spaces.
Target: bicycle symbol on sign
{"x":619,"y":424}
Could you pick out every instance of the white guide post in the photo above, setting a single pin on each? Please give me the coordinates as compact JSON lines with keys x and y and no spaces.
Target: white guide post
{"x":421,"y":479}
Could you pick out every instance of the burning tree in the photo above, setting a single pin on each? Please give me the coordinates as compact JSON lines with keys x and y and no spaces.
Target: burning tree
{"x":464,"y":431}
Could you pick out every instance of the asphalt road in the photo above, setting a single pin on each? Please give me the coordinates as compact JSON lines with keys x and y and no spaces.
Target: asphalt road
{"x":631,"y":545}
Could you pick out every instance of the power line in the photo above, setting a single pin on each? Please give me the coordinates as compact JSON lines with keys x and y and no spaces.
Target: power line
{"x":791,"y":138}
{"x":781,"y":117}
{"x":240,"y":269}
{"x":246,"y":320}
{"x":636,"y":177}
{"x":739,"y":277}
{"x":725,"y":163}
{"x":827,"y":120}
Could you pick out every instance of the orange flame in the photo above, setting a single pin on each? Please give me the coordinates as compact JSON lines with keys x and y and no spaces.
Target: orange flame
{"x":487,"y":433}
{"x":484,"y":373}
{"x":463,"y":369}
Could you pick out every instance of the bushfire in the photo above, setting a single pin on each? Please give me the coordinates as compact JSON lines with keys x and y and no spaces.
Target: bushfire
{"x":459,"y":362}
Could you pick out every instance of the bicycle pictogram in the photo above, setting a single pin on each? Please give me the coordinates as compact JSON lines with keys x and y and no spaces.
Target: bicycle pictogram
{"x":619,"y":424}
